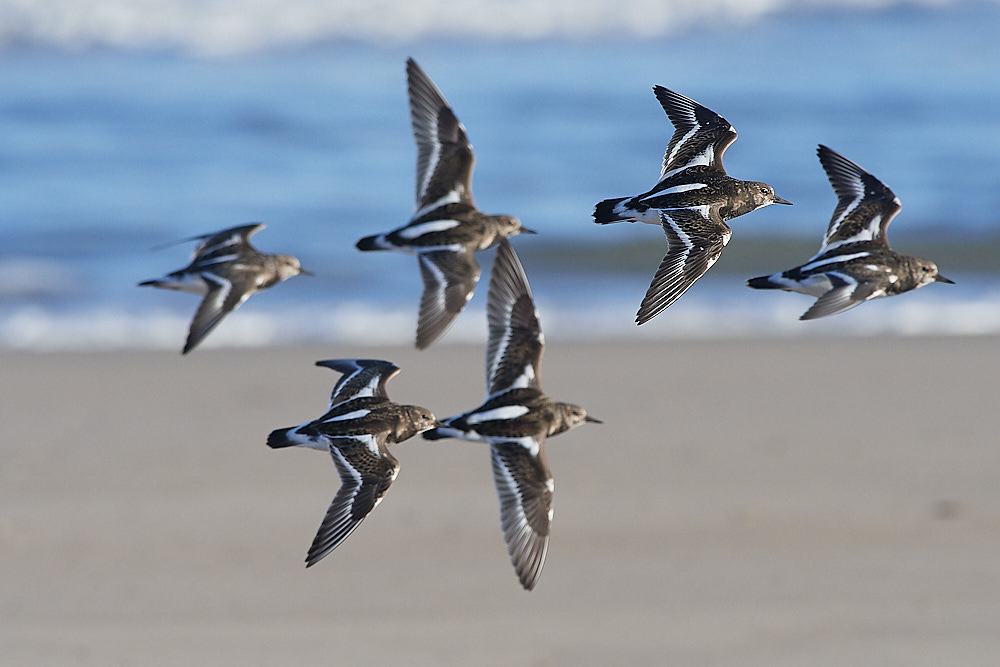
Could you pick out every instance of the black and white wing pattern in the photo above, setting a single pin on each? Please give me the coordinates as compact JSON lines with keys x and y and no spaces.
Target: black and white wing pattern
{"x":230,"y":243}
{"x":227,"y":264}
{"x":696,"y":237}
{"x":445,"y":158}
{"x":366,"y":470}
{"x":356,"y":430}
{"x":226,"y":291}
{"x":449,"y":277}
{"x":524,"y":487}
{"x":701,"y":135}
{"x":865,"y":205}
{"x":515,"y":346}
{"x":845,"y":293}
{"x":361,"y":378}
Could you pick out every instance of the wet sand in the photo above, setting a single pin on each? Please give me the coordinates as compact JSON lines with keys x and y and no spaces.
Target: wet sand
{"x":753,"y":502}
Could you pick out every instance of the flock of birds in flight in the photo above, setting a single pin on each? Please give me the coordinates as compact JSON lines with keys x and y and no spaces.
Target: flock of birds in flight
{"x":693,"y":200}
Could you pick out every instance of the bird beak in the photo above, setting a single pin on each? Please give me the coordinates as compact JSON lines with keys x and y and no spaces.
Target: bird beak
{"x":305,"y":273}
{"x":779,"y":200}
{"x":525,"y":230}
{"x":438,"y":424}
{"x":588,"y":418}
{"x":941,"y":279}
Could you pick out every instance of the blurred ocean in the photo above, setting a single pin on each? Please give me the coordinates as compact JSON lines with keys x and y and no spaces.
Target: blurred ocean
{"x":125,"y":125}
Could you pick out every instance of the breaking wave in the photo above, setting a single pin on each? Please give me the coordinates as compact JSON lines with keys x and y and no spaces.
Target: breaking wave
{"x":221,"y":27}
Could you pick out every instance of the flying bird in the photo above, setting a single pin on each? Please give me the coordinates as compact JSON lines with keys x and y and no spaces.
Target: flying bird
{"x":227,"y":270}
{"x":854,"y":263}
{"x":446,"y":229}
{"x":692,"y":200}
{"x":516,"y":417}
{"x":356,"y":429}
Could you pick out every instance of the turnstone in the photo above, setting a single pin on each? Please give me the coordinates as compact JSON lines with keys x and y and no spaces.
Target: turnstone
{"x":446,"y":228}
{"x":854,"y":262}
{"x":226,"y":269}
{"x":692,"y":200}
{"x":516,"y":417}
{"x":359,"y":423}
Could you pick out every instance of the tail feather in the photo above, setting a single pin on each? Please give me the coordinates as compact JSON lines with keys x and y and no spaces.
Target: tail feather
{"x":376,"y":242}
{"x":279,"y":439}
{"x":446,"y":430}
{"x":607,"y":211}
{"x":762,"y":282}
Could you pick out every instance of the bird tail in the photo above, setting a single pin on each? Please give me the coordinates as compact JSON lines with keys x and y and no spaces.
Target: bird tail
{"x":376,"y":242}
{"x":279,"y":439}
{"x":609,"y":210}
{"x":763,"y":282}
{"x":445,"y":430}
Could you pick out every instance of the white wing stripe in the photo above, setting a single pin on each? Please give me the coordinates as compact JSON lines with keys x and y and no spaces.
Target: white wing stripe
{"x":357,"y":414}
{"x":453,"y":197}
{"x":680,"y":144}
{"x":498,"y":414}
{"x":834,"y":225}
{"x":685,"y":187}
{"x":454,"y":247}
{"x":833,"y":260}
{"x":416,"y":231}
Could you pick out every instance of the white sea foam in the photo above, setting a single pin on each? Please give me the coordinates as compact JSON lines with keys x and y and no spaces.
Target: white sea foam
{"x":235,"y":26}
{"x":698,"y":316}
{"x":32,"y":278}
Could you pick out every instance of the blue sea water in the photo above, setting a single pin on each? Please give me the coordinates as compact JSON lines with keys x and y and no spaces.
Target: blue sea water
{"x":117,"y":136}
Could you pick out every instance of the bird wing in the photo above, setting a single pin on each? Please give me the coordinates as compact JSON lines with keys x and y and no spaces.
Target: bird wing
{"x":845,"y":294}
{"x":865,"y":206}
{"x":515,"y":346}
{"x":695,"y":238}
{"x":449,"y":277}
{"x":223,"y":297}
{"x":701,"y":135}
{"x":524,"y":488}
{"x":366,"y":470}
{"x":230,"y":241}
{"x":361,"y":377}
{"x":445,"y":158}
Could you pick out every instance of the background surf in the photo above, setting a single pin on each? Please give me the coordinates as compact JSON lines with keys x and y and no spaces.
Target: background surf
{"x":126,"y":126}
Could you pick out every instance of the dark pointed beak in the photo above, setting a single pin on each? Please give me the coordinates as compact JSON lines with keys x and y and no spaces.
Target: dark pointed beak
{"x":525,"y":230}
{"x":593,"y":420}
{"x":305,"y":273}
{"x":779,"y":200}
{"x":941,"y":279}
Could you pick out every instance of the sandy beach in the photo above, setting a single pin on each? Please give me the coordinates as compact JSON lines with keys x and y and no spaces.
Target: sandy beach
{"x":752,"y":502}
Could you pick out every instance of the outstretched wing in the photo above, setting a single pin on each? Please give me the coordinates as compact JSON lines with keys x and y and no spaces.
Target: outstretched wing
{"x":845,"y":294}
{"x":515,"y":346}
{"x":701,"y":135}
{"x":225,"y":245}
{"x":231,"y":239}
{"x":695,"y":239}
{"x":444,"y":155}
{"x":362,"y":377}
{"x":366,"y":470}
{"x":449,"y":277}
{"x":223,"y":297}
{"x":865,"y":206}
{"x":524,"y":487}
